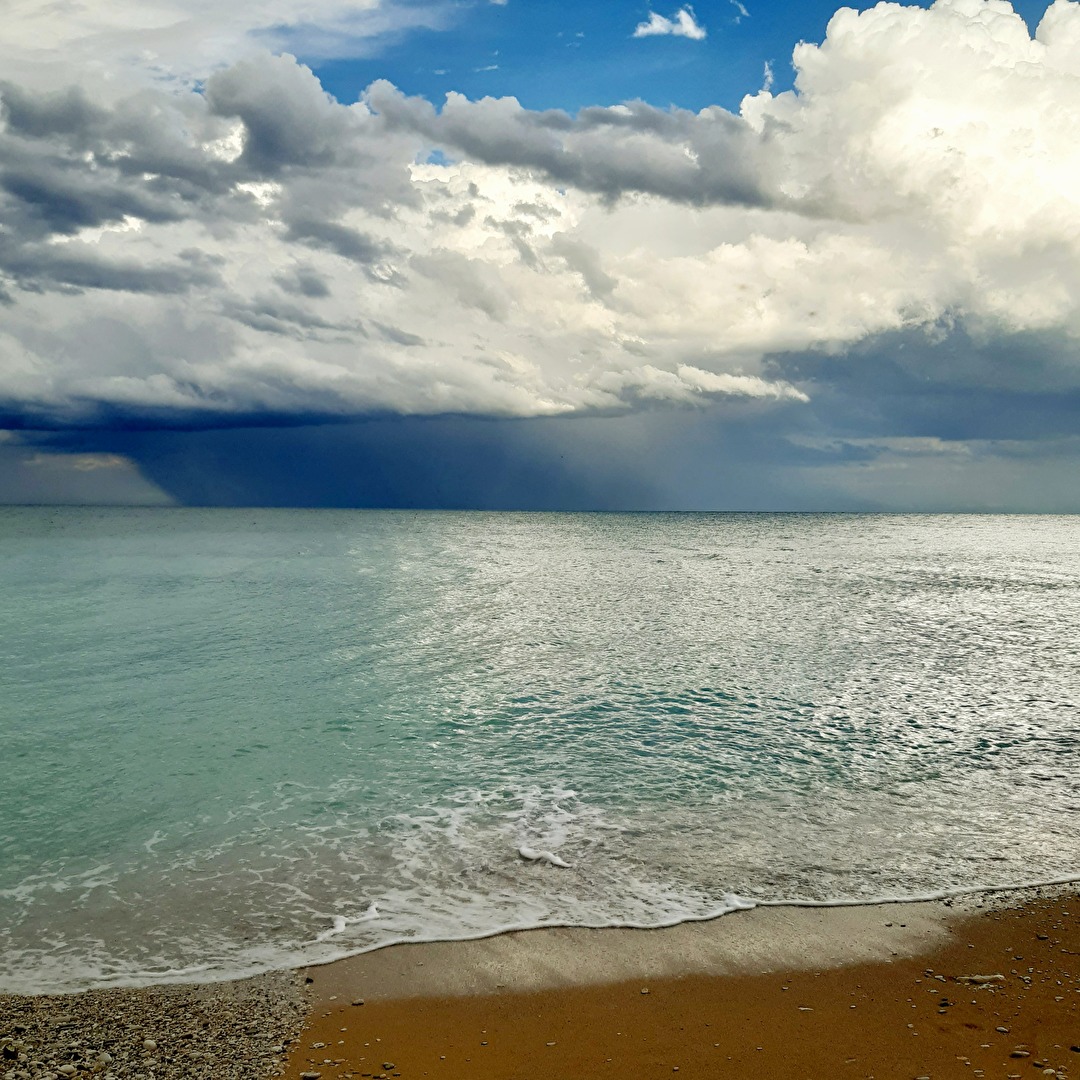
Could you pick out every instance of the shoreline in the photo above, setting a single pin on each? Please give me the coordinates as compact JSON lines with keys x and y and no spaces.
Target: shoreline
{"x":429,"y":1002}
{"x":985,"y":988}
{"x":206,"y":975}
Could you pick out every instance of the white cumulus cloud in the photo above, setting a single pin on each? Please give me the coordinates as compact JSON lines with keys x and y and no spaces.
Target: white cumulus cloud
{"x":682,"y":24}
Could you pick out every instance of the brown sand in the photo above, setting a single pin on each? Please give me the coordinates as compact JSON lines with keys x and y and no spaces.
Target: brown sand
{"x":880,"y":1016}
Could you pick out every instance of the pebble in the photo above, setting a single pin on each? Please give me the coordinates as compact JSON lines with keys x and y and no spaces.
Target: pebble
{"x":66,"y":1036}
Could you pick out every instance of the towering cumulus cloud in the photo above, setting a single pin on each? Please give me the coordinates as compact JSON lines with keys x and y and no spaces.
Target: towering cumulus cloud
{"x":208,"y":237}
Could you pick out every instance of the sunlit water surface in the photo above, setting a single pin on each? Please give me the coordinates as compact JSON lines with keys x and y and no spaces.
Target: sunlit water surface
{"x":226,"y":735}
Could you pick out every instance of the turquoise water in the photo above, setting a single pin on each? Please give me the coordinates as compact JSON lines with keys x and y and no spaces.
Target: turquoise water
{"x":240,"y":740}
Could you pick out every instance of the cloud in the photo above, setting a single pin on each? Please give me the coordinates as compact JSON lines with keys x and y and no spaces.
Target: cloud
{"x":711,"y":158}
{"x":185,"y":40}
{"x":682,"y":24}
{"x":249,"y":250}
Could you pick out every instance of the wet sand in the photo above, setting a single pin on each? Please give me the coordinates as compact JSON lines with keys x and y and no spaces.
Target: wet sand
{"x":881,"y":992}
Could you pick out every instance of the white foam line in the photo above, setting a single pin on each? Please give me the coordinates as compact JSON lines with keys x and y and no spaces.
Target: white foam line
{"x":174,"y":973}
{"x":733,"y":903}
{"x":919,"y":898}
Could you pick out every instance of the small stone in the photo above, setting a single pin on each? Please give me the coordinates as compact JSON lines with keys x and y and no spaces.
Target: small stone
{"x":310,"y":1075}
{"x":1019,"y":1054}
{"x":644,"y":989}
{"x":149,"y":1044}
{"x":359,"y":1001}
{"x":387,"y":1065}
{"x":1003,"y":1030}
{"x":67,"y":1070}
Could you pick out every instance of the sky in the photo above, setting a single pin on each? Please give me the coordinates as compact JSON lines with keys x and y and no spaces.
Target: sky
{"x":533,"y":254}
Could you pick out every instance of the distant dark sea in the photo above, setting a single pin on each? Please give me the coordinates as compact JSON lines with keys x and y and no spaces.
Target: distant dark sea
{"x":235,"y":740}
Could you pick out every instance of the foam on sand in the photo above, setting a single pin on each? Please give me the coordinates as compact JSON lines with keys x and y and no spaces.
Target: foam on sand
{"x":759,"y":938}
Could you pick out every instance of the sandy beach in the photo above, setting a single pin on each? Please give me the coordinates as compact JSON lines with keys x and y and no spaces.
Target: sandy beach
{"x":987,"y":987}
{"x":984,"y":987}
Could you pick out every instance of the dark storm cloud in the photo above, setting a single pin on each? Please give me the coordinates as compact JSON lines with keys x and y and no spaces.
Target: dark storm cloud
{"x":273,"y":316}
{"x":66,"y":112}
{"x":147,"y":140}
{"x":289,"y":120}
{"x":696,"y":158}
{"x":657,"y":460}
{"x":60,"y":201}
{"x":449,"y":462}
{"x":46,"y":267}
{"x":68,"y":165}
{"x":304,"y":281}
{"x":351,"y":244}
{"x":953,"y":385}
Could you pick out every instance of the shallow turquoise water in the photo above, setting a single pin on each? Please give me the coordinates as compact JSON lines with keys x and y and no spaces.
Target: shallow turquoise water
{"x":224,"y":735}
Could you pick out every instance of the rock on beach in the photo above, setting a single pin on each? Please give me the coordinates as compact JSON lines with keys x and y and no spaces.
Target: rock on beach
{"x":219,"y":1031}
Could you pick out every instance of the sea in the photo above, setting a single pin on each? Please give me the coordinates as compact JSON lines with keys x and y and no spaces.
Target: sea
{"x":233,"y":741}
